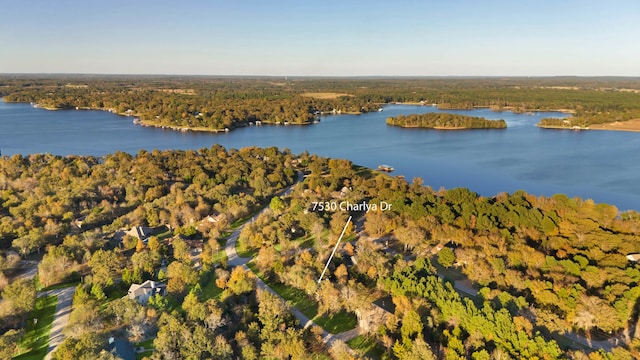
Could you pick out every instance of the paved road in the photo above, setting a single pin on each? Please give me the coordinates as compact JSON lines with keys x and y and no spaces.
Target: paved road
{"x":230,"y":247}
{"x":235,"y":260}
{"x":61,"y":318}
{"x":29,"y":269}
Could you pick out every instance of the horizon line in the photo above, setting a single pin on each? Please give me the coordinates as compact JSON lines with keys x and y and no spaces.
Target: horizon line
{"x":314,"y":76}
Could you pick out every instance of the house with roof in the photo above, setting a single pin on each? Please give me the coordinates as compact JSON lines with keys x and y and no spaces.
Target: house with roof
{"x":121,"y":348}
{"x":633,"y":257}
{"x":142,"y":292}
{"x":141,"y":232}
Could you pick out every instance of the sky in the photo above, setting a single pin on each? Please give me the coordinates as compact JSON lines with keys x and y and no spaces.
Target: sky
{"x":322,"y":38}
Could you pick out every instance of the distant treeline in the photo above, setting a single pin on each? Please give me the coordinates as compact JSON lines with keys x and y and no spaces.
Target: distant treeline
{"x":230,"y":102}
{"x":445,"y":121}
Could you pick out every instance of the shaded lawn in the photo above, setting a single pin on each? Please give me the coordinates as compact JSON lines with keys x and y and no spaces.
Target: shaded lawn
{"x":144,"y":354}
{"x":61,"y":286}
{"x":35,"y":342}
{"x":164,"y":235}
{"x":451,"y":273}
{"x":335,"y":324}
{"x":367,"y":345}
{"x":221,"y":255}
{"x":148,"y":345}
{"x":211,"y":290}
{"x":72,"y":279}
{"x":296,"y":297}
{"x":306,"y":241}
{"x":115,"y":293}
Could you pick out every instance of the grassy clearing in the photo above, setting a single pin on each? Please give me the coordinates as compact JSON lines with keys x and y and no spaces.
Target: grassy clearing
{"x":304,"y":242}
{"x":116,"y":293}
{"x":74,"y":282}
{"x":165,"y":235}
{"x":325,"y":95}
{"x":144,"y":354}
{"x":210,"y":290}
{"x":149,"y":348}
{"x":448,"y":273}
{"x":61,"y":286}
{"x":296,"y":297}
{"x":35,"y":342}
{"x":337,"y":323}
{"x":367,"y":345}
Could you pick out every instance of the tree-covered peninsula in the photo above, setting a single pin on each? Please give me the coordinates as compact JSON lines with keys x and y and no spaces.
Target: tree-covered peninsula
{"x":445,"y":121}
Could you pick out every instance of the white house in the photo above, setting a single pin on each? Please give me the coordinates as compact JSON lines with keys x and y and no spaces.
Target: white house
{"x":142,"y":292}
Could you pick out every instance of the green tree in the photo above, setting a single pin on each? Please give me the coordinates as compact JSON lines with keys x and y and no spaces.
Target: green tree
{"x":446,"y":257}
{"x":181,"y":251}
{"x":240,"y":281}
{"x":20,"y":296}
{"x":194,"y":307}
{"x":411,"y":326}
{"x":9,"y":343}
{"x":98,"y":292}
{"x":180,"y":277}
{"x":104,"y":267}
{"x":277,"y":205}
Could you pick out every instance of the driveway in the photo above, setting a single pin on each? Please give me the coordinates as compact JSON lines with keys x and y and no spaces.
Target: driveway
{"x":61,"y":317}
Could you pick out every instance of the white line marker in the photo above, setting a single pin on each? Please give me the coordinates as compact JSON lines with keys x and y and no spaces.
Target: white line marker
{"x":334,"y":249}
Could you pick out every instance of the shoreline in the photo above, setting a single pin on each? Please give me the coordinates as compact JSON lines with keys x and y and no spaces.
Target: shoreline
{"x":445,"y":128}
{"x":505,"y":108}
{"x":632,"y":125}
{"x":558,"y":127}
{"x":137,"y":120}
{"x":626,"y":126}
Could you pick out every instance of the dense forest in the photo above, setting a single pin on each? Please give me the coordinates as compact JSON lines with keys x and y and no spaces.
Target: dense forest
{"x":539,"y":269}
{"x":445,"y":121}
{"x":546,"y":266}
{"x":542,"y":267}
{"x":66,"y":212}
{"x":216,"y":103}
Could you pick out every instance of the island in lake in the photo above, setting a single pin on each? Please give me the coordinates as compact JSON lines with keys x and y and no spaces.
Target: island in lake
{"x":445,"y":121}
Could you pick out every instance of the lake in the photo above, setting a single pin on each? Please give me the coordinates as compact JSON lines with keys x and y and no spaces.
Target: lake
{"x":601,"y":165}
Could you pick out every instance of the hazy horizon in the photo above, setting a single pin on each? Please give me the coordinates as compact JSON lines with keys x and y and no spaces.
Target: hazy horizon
{"x":258,"y":76}
{"x":332,"y":39}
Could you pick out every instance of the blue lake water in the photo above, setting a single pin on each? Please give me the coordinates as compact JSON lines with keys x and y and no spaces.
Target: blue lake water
{"x":601,"y":165}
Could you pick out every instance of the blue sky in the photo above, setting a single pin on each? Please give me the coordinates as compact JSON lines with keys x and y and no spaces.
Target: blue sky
{"x":327,"y":38}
